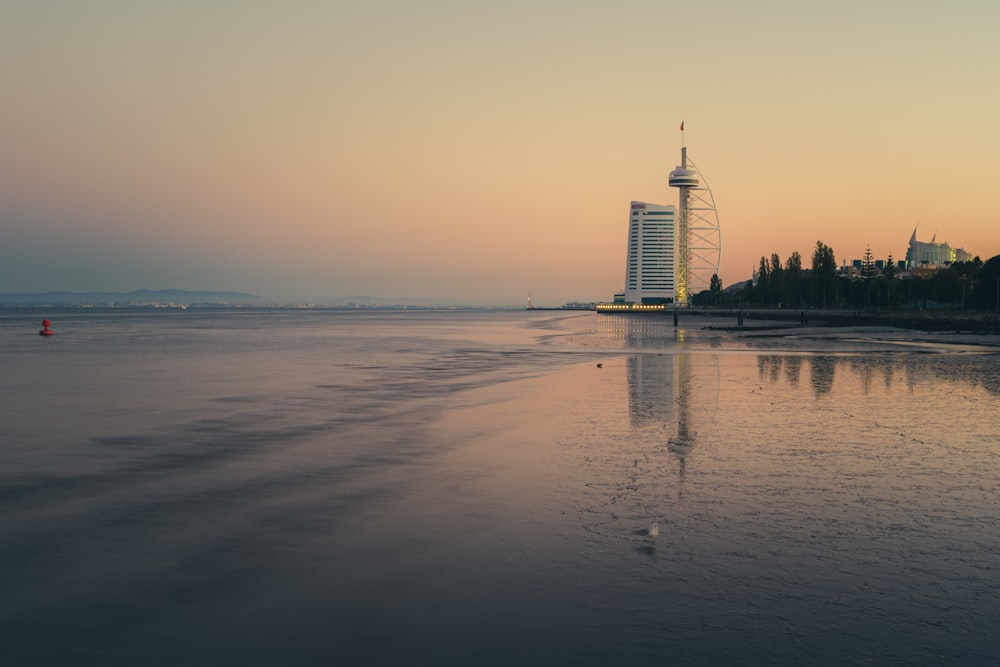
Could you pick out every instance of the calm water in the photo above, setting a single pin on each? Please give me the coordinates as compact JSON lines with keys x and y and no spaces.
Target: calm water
{"x":455,"y":488}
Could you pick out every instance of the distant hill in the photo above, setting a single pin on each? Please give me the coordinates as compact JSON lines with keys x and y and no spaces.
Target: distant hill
{"x":380,"y":302}
{"x":143,"y":297}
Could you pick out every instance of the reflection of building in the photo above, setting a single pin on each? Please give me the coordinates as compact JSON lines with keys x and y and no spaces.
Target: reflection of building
{"x":649,"y":270}
{"x":932,"y":253}
{"x":651,"y":380}
{"x":667,"y":395}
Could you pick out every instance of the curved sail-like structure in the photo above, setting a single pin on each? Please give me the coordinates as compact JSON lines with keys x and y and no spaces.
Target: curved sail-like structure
{"x":704,"y":237}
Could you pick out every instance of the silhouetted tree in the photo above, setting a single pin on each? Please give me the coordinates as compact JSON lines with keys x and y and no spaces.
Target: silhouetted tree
{"x":715,"y":286}
{"x":946,"y":285}
{"x":868,"y":264}
{"x":824,"y":275}
{"x":793,"y":279}
{"x":890,"y":267}
{"x":988,"y":287}
{"x":777,"y":276}
{"x":763,"y":288}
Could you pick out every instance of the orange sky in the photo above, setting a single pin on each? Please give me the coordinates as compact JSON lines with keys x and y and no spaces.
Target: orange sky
{"x":444,"y":150}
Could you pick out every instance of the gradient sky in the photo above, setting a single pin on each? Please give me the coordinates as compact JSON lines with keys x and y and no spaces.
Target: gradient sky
{"x":309,"y":150}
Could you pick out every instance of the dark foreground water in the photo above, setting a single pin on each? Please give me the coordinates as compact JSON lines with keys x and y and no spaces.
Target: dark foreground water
{"x":470,"y":488}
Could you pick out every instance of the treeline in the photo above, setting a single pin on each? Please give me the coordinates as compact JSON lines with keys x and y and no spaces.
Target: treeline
{"x":973,"y":285}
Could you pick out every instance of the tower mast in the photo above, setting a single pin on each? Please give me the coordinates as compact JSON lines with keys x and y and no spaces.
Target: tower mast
{"x":698,"y":240}
{"x":684,"y":179}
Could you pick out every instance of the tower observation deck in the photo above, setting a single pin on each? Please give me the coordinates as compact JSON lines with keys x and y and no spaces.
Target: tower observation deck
{"x":699,"y":238}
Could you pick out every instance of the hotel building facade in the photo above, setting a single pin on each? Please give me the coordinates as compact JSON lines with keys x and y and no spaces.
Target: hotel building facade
{"x":650,"y":273}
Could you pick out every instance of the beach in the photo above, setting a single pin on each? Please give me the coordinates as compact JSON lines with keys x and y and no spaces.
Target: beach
{"x":499,"y":488}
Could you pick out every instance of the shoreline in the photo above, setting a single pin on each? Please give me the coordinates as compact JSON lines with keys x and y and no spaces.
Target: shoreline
{"x":923,"y":320}
{"x":773,"y":331}
{"x":971,"y":341}
{"x":975,"y":329}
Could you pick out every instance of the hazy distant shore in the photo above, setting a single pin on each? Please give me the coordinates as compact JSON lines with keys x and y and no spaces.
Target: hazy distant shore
{"x":136,"y":298}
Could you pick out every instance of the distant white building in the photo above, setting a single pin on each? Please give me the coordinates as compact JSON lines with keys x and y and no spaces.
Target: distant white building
{"x":650,"y":273}
{"x":920,"y":254}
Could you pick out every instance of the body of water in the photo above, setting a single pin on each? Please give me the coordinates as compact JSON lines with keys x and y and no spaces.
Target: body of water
{"x":476,"y":487}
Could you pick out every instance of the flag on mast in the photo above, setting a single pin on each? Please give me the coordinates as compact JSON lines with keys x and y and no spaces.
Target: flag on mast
{"x":682,"y":126}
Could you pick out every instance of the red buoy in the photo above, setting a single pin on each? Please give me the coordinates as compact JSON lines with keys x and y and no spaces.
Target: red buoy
{"x":46,"y":331}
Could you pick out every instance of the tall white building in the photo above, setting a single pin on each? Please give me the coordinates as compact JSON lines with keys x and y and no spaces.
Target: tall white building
{"x":673,"y":252}
{"x":650,"y":272}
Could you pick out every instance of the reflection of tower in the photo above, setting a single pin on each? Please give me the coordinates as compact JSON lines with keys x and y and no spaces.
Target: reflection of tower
{"x":699,"y":239}
{"x":682,"y":444}
{"x":684,"y":433}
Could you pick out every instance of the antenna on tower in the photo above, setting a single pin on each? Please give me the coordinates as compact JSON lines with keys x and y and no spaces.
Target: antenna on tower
{"x":682,"y":133}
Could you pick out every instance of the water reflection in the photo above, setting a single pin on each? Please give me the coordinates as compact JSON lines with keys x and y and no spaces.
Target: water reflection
{"x":681,"y":445}
{"x":820,"y":485}
{"x":674,"y":399}
{"x":639,"y":332}
{"x":869,"y":372}
{"x":871,"y":363}
{"x":775,"y":366}
{"x":651,"y":380}
{"x":672,"y":383}
{"x":698,"y":414}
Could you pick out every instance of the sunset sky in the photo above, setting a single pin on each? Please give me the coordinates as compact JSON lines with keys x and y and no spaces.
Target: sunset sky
{"x":314,"y":150}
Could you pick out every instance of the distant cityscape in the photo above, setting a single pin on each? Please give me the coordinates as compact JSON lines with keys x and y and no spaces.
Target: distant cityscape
{"x":195,"y":299}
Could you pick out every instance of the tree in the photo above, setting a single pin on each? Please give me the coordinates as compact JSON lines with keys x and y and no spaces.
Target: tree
{"x":793,"y":279}
{"x":715,"y":286}
{"x":946,"y":285}
{"x":968,"y":278}
{"x":988,"y":292}
{"x":777,"y":276}
{"x":824,"y":275}
{"x":890,"y":267}
{"x":763,"y":281}
{"x":868,"y":264}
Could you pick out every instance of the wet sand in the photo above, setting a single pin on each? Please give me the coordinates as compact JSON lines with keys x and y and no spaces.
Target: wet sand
{"x":476,"y":489}
{"x":808,"y":509}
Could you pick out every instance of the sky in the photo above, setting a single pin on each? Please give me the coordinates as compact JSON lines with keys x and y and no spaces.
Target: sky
{"x":477,"y":152}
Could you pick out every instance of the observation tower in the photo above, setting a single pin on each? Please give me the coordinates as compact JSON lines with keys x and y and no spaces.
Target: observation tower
{"x":699,"y":238}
